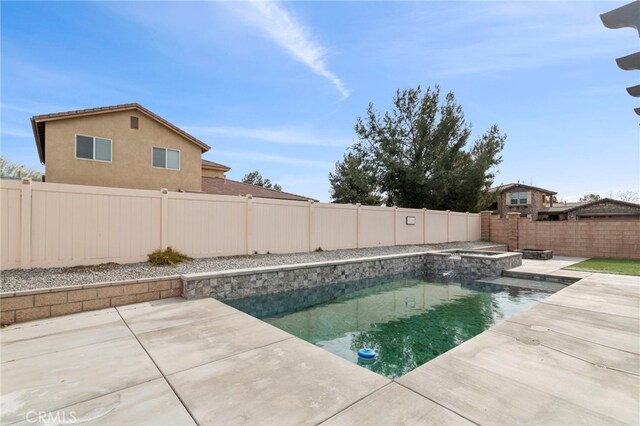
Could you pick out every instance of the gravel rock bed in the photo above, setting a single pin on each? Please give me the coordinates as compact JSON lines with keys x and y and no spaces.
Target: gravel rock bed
{"x":29,"y":279}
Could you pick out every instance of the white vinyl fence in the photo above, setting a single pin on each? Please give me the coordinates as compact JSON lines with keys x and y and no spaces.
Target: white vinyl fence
{"x":48,"y":224}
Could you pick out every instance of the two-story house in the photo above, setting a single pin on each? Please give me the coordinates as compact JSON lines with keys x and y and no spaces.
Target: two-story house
{"x":538,"y":203}
{"x":128,"y":146}
{"x":524,"y":199}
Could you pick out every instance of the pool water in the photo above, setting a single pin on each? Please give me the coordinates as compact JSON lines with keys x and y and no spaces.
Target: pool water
{"x":407,"y":322}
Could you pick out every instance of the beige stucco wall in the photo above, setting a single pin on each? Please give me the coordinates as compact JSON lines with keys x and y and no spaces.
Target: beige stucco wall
{"x":131,"y":149}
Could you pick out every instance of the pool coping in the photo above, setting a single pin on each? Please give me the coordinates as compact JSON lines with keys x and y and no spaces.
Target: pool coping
{"x":293,"y":266}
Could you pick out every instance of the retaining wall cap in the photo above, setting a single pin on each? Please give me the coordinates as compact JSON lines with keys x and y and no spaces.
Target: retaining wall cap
{"x":85,"y":286}
{"x":277,"y":268}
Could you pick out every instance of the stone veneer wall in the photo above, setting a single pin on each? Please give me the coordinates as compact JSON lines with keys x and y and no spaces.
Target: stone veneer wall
{"x":534,"y":198}
{"x":43,"y":303}
{"x":469,"y":265}
{"x":230,"y":285}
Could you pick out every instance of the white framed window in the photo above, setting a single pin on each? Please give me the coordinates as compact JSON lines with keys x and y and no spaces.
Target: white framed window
{"x":93,"y":148}
{"x":519,"y":198}
{"x":165,"y":158}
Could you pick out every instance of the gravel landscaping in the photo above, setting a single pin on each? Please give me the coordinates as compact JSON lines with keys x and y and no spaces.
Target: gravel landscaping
{"x":28,"y":279}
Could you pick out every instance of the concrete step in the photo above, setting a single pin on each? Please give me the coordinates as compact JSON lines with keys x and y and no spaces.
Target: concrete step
{"x":524,"y":283}
{"x":539,"y":277}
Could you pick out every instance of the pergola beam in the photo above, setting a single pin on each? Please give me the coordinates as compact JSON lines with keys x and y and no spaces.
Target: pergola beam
{"x":627,"y":16}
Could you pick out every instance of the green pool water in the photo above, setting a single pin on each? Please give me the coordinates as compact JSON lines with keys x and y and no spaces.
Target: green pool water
{"x":407,"y":322}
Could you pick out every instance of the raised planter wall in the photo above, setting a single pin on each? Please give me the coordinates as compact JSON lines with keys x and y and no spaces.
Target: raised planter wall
{"x":43,"y":303}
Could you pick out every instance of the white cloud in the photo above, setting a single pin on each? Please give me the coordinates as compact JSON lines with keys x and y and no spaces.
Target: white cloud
{"x":269,"y":158}
{"x":279,"y":25}
{"x":16,"y":133}
{"x":278,"y":136}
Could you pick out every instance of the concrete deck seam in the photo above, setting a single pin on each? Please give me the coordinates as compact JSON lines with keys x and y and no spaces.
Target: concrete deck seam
{"x":75,"y":347}
{"x":355,"y":402}
{"x":519,"y":383}
{"x":510,"y":320}
{"x":159,"y":370}
{"x":586,"y":310}
{"x":570,"y":354}
{"x":232,"y":355}
{"x":196,"y":320}
{"x":91,"y":399}
{"x":438,"y":403}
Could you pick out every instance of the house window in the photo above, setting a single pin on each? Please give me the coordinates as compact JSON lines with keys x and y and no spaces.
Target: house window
{"x":518,"y":198}
{"x":166,"y":158}
{"x":135,"y":123}
{"x":92,"y":148}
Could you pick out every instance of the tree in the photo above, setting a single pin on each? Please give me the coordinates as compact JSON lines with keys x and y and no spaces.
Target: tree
{"x":255,"y":178}
{"x":590,"y":197}
{"x":9,"y":168}
{"x":416,"y":155}
{"x":353,"y":180}
{"x":628,"y":196}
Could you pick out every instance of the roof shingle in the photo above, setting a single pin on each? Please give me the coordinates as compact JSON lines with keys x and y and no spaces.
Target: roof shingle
{"x":221,"y":186}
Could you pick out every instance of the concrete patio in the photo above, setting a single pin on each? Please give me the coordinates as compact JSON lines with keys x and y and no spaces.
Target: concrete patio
{"x":572,"y":359}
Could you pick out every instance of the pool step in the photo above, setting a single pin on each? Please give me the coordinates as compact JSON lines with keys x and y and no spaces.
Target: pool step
{"x":523,"y":283}
{"x":539,"y":277}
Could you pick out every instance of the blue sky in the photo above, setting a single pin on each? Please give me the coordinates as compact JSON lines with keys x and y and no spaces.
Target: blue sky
{"x":277,"y":87}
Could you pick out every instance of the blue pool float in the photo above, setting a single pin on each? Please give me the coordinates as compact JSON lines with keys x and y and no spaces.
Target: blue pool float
{"x":367,"y":353}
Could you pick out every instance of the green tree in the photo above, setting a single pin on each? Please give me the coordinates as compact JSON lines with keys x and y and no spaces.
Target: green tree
{"x":416,"y":153}
{"x":353,"y":180}
{"x":255,"y":178}
{"x":9,"y":168}
{"x":590,"y":197}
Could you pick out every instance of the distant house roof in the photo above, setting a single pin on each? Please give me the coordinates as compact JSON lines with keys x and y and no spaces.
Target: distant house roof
{"x":222,"y":186}
{"x":38,"y":123}
{"x":507,"y":186}
{"x":560,"y":207}
{"x":215,"y":166}
{"x":563,"y":208}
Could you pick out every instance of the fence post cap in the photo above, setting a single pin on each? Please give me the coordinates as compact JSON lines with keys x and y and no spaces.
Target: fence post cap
{"x":26,"y":181}
{"x":249,"y":196}
{"x":358,"y":205}
{"x":164,"y":190}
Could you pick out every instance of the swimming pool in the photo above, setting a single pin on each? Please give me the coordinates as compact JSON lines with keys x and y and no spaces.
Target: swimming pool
{"x":407,"y":321}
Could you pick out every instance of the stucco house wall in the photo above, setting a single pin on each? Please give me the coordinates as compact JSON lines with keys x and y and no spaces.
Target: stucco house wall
{"x":131,"y":153}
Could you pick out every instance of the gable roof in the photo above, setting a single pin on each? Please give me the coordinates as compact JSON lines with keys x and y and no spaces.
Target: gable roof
{"x":507,"y":186}
{"x":222,"y":186}
{"x":562,"y":208}
{"x":206,"y":164}
{"x":38,"y":123}
{"x":606,"y":200}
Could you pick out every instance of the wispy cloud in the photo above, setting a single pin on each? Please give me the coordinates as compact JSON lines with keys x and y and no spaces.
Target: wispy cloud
{"x":283,"y":28}
{"x":15,"y":133}
{"x":269,"y":158}
{"x":278,"y":136}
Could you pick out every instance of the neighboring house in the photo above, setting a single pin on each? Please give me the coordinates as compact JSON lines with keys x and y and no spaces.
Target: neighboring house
{"x":538,"y":203}
{"x":524,"y":199}
{"x":128,"y":146}
{"x":605,"y":208}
